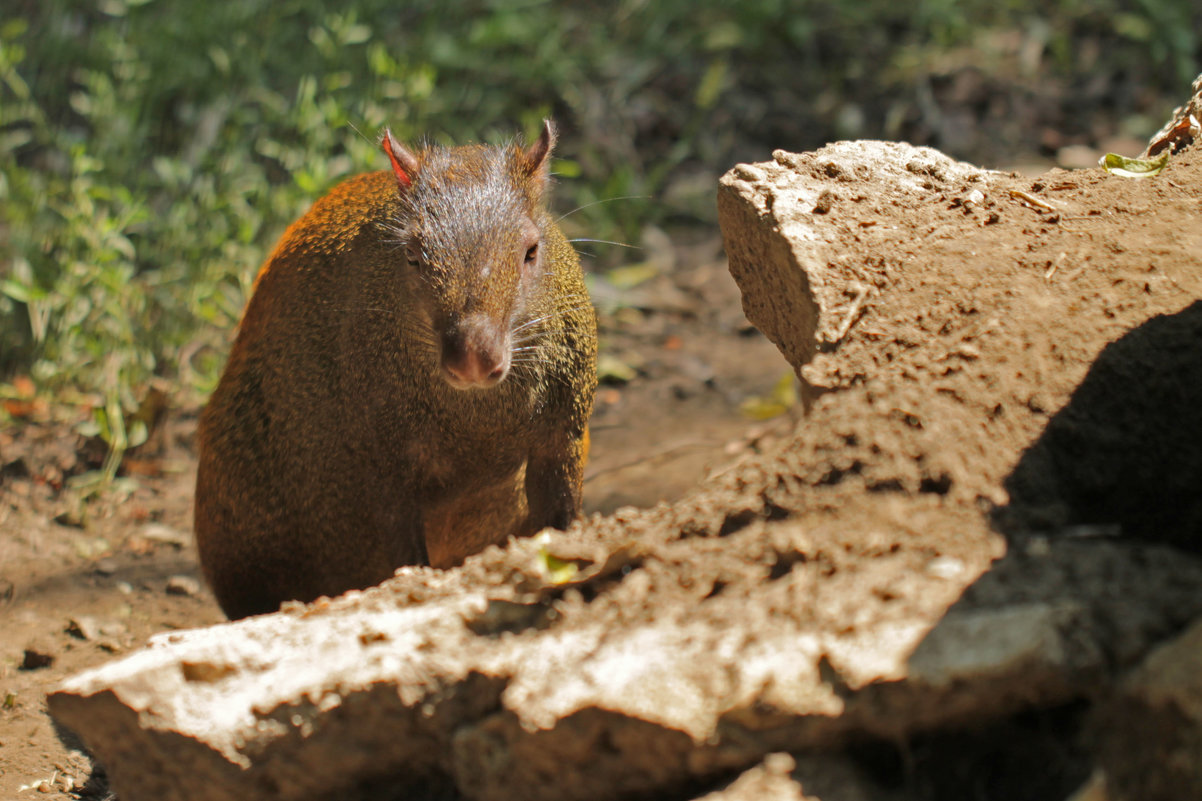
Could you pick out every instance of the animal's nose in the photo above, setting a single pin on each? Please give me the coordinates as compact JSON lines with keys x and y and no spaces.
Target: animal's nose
{"x":475,"y":354}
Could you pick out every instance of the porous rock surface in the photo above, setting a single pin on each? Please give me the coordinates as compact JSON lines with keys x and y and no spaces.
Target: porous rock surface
{"x":837,"y":595}
{"x":1150,"y":731}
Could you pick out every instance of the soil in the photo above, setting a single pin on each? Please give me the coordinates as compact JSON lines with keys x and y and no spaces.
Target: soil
{"x":80,"y":582}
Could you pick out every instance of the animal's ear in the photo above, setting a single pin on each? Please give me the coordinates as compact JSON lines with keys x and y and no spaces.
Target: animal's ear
{"x":404,"y":163}
{"x":537,"y":158}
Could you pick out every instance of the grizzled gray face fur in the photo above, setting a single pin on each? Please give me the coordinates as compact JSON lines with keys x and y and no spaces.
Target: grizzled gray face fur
{"x":479,"y":274}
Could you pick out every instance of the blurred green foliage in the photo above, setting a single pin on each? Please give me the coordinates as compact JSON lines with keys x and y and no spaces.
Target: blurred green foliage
{"x":152,"y":150}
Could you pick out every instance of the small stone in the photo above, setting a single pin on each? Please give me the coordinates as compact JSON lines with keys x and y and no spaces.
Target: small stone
{"x":183,"y":585}
{"x":72,"y":518}
{"x":83,"y":627}
{"x":158,"y":532}
{"x":105,"y":567}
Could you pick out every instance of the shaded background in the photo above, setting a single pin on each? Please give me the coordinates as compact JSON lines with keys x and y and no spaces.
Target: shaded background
{"x":151,"y":151}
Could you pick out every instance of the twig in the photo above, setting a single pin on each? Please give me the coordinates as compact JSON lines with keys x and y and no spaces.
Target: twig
{"x":857,"y":306}
{"x":666,"y":453}
{"x":1028,"y":198}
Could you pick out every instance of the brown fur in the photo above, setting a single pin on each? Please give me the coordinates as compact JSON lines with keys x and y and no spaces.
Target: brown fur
{"x":337,"y":447}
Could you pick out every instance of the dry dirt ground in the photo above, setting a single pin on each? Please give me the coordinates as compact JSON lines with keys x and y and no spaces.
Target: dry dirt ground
{"x":77,"y":588}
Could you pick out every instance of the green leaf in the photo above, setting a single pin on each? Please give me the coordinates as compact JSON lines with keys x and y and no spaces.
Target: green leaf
{"x":100,"y":418}
{"x":712,"y":84}
{"x":611,"y":369}
{"x":88,"y":428}
{"x":89,"y":481}
{"x":23,"y":293}
{"x":138,"y":433}
{"x":632,"y":275}
{"x":1133,"y":168}
{"x":566,"y":168}
{"x":356,"y":34}
{"x":556,"y":570}
{"x":780,"y":400}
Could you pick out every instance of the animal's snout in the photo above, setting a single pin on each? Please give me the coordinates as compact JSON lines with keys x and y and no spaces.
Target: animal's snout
{"x":475,"y":353}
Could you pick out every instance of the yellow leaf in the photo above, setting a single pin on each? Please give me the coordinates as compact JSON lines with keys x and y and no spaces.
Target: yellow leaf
{"x":780,"y":400}
{"x":1122,"y":166}
{"x":556,"y":570}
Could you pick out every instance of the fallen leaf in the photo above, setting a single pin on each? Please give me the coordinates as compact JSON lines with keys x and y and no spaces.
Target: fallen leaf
{"x":24,"y":386}
{"x":612,"y":370}
{"x":554,"y":569}
{"x":780,"y":400}
{"x":1125,"y":167}
{"x":631,"y":276}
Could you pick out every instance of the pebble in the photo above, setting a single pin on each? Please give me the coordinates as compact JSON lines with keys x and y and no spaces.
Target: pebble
{"x":183,"y":585}
{"x":158,"y":532}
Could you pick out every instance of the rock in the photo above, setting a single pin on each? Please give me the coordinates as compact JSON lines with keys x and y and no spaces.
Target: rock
{"x":783,"y":777}
{"x":792,"y":290}
{"x":1094,"y":789}
{"x":501,"y":688}
{"x":83,"y":627}
{"x":105,"y":567}
{"x":183,"y":585}
{"x":1184,"y":129}
{"x":158,"y":532}
{"x":771,"y":780}
{"x":1150,"y":734}
{"x":76,"y":517}
{"x":508,"y":712}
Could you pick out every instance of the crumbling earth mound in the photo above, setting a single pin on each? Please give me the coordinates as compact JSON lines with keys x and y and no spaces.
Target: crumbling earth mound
{"x":941,"y":586}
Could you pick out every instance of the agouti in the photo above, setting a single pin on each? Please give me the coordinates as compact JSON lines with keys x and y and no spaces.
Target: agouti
{"x":411,"y":382}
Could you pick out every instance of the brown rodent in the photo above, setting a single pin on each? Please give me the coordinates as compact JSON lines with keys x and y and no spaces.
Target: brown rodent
{"x":411,"y":382}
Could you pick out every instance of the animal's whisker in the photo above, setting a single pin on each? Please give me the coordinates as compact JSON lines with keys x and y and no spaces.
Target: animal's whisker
{"x":352,"y":126}
{"x":560,"y":312}
{"x":606,"y":242}
{"x":599,"y":202}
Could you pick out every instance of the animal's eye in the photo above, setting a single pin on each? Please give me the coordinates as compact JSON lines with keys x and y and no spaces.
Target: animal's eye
{"x":413,"y":255}
{"x":532,"y":253}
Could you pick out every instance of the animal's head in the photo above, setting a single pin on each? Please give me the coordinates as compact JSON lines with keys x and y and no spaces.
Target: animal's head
{"x":470,"y":229}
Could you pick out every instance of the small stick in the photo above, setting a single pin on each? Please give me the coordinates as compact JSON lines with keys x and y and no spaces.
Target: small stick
{"x":1032,"y":200}
{"x":857,"y":305}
